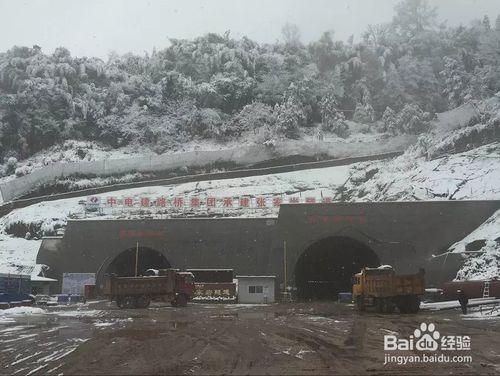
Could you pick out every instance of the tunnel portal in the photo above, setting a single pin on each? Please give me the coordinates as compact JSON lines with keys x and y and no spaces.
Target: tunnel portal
{"x":124,"y":265}
{"x":326,"y":267}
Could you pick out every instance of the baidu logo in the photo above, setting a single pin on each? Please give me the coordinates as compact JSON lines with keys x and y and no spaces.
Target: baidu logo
{"x":426,"y":345}
{"x":426,"y":337}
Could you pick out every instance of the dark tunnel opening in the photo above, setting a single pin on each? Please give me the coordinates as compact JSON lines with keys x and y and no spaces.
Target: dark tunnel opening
{"x":327,"y":266}
{"x":124,"y":264}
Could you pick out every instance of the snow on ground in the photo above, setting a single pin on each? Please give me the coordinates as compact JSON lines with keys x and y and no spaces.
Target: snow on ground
{"x":86,"y":151}
{"x":18,"y":254}
{"x":75,"y":312}
{"x":481,"y":250}
{"x":73,"y":183}
{"x":452,"y":304}
{"x":50,"y":215}
{"x":71,"y":151}
{"x":484,"y":313}
{"x":474,"y":174}
{"x":470,"y":175}
{"x":22,"y":311}
{"x":74,"y":151}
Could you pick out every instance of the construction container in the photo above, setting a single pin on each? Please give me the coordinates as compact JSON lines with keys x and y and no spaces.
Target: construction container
{"x":89,"y":292}
{"x":472,"y":289}
{"x":213,"y":275}
{"x":256,"y":289}
{"x":15,"y":288}
{"x":345,"y":297}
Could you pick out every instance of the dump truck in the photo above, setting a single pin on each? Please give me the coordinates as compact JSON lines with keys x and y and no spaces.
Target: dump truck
{"x":137,"y":292}
{"x":384,"y":290}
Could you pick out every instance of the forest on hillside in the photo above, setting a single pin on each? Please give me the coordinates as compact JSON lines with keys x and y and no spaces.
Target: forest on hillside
{"x":395,"y":79}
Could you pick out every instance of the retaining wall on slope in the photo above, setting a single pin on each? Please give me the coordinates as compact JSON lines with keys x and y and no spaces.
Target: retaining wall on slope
{"x":245,"y":155}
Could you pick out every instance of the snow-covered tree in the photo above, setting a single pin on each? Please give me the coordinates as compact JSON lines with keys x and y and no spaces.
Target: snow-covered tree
{"x":290,"y":117}
{"x":215,"y":85}
{"x":291,"y":34}
{"x":411,"y":120}
{"x":414,"y":17}
{"x":364,"y":113}
{"x":332,"y":119}
{"x":389,"y":119}
{"x":252,"y":117}
{"x":456,"y":82}
{"x":204,"y":122}
{"x":486,"y":23}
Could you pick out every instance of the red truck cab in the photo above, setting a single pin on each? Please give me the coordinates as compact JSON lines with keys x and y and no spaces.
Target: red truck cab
{"x":184,"y":287}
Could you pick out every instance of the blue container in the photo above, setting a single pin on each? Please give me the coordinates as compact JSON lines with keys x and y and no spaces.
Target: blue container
{"x":14,"y":287}
{"x":62,"y":298}
{"x":345,"y":297}
{"x":76,"y":298}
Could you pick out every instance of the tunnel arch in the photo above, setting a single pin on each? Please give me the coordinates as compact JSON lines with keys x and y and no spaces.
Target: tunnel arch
{"x":123,"y":263}
{"x":326,"y":267}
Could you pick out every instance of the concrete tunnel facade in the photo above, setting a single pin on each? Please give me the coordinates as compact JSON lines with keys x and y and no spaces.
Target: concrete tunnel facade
{"x":332,"y":239}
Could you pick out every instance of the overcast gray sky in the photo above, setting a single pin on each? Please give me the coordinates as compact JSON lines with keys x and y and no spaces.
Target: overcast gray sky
{"x":96,"y":27}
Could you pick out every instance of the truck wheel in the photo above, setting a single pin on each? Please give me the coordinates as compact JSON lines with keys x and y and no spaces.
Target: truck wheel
{"x":413,"y":304}
{"x":128,"y":302}
{"x":143,"y":301}
{"x":360,"y":304}
{"x":389,"y":306}
{"x":379,"y":305}
{"x":182,"y":300}
{"x":402,"y":304}
{"x":119,"y":302}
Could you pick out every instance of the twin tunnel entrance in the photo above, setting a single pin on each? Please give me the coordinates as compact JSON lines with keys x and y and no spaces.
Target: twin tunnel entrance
{"x":322,"y":271}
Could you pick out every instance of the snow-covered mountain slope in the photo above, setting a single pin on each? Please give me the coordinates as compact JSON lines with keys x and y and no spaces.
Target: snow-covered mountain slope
{"x":430,"y":170}
{"x":403,"y":178}
{"x":47,"y":217}
{"x":481,"y":249}
{"x":470,"y":175}
{"x":74,"y":151}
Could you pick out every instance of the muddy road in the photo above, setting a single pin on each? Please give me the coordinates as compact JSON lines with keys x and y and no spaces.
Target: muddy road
{"x":317,"y":338}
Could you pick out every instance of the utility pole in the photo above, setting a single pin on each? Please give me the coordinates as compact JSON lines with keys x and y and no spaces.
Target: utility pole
{"x":136,"y":258}
{"x":284,"y":265}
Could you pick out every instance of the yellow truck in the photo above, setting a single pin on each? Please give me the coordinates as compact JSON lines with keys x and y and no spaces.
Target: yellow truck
{"x":383,"y":289}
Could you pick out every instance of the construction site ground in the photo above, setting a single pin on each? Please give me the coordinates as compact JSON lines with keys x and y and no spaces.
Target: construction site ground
{"x":292,"y":338}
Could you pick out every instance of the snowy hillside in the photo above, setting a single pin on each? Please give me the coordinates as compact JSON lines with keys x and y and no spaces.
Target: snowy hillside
{"x":482,"y":251}
{"x":474,"y":174}
{"x":414,"y":83}
{"x":77,"y":165}
{"x":47,"y":217}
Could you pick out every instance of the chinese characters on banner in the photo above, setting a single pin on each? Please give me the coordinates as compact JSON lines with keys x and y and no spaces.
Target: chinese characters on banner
{"x":214,"y":291}
{"x":208,"y":202}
